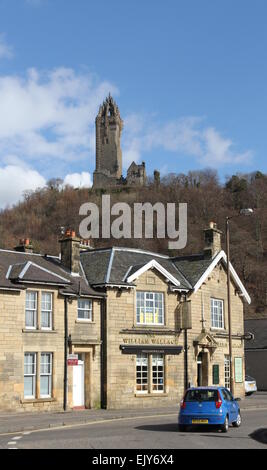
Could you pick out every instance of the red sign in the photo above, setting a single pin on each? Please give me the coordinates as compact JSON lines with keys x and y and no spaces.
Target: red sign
{"x":72,"y":362}
{"x":72,"y":359}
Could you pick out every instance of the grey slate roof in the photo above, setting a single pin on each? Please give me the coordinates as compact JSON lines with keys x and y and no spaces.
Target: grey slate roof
{"x":17,"y":269}
{"x":115,"y":265}
{"x":192,"y":267}
{"x":259,"y":329}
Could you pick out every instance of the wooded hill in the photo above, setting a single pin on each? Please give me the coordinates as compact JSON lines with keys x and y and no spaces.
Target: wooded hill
{"x":42,"y":214}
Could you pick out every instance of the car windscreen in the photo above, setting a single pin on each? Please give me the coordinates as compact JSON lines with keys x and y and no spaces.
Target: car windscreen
{"x":201,"y":395}
{"x":249,"y":379}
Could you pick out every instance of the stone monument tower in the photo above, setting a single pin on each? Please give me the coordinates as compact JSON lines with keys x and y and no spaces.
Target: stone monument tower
{"x":109,"y":126}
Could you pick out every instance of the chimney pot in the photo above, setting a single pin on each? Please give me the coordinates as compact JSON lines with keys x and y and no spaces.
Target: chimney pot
{"x":213,"y":240}
{"x":25,"y":246}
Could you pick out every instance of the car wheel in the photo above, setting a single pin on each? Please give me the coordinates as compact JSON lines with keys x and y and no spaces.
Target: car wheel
{"x":225,"y":426}
{"x":182,"y":427}
{"x":238,"y":421}
{"x":249,"y":393}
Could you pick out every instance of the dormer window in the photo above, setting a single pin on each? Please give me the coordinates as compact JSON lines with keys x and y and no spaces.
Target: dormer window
{"x":149,"y":308}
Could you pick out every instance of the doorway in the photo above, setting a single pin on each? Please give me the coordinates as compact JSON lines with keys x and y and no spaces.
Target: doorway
{"x":202,"y":370}
{"x":78,"y":383}
{"x":199,"y":369}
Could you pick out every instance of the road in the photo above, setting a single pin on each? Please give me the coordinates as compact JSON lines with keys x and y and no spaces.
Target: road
{"x":143,"y":433}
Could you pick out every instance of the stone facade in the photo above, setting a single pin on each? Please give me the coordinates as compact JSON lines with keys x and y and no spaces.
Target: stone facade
{"x":123,"y":331}
{"x":16,"y":340}
{"x":125,"y":358}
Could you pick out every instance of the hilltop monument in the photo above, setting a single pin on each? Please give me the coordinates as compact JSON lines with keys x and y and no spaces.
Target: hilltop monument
{"x":108,"y":171}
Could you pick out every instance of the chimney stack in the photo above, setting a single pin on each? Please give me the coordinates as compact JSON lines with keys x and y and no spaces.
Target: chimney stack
{"x":213,"y":241}
{"x":70,"y":251}
{"x":25,"y":246}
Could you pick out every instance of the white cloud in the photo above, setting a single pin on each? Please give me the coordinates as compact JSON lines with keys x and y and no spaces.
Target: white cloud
{"x":78,"y":180}
{"x":14,"y":180}
{"x":50,"y":115}
{"x":187,"y":136}
{"x":6,"y":51}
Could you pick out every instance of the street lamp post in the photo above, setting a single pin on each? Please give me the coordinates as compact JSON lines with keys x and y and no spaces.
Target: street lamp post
{"x":246,"y":212}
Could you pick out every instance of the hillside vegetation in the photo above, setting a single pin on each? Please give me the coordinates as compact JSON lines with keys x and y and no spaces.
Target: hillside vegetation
{"x":42,"y":214}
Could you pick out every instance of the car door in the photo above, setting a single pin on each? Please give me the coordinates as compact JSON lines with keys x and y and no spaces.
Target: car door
{"x":233,"y":406}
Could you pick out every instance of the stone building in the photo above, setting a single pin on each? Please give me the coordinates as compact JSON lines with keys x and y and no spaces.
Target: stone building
{"x":37,"y":295}
{"x":108,"y":171}
{"x":165,"y":323}
{"x":144,"y":326}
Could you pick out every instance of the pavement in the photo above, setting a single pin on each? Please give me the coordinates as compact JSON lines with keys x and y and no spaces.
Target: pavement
{"x":21,"y":422}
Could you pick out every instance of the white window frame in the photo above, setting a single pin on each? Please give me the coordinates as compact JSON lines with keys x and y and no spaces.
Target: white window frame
{"x":155,"y":381}
{"x":150,"y":382}
{"x":46,"y":374}
{"x":49,"y":311}
{"x":146,"y":313}
{"x":33,"y":375}
{"x":140,"y":374}
{"x":227,"y":372}
{"x":35,"y":310}
{"x":215,"y":314}
{"x":85,"y":309}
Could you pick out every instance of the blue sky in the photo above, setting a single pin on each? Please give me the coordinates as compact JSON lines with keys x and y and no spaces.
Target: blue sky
{"x":189,"y":76}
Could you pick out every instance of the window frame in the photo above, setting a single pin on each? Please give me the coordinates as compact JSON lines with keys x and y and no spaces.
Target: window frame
{"x":157,"y":372}
{"x":149,"y":373}
{"x":33,"y":375}
{"x":50,"y":312}
{"x":142,"y":374}
{"x":47,"y":374}
{"x":35,"y":310}
{"x":227,"y":371}
{"x":90,"y":310}
{"x":146,"y":313}
{"x":212,"y":314}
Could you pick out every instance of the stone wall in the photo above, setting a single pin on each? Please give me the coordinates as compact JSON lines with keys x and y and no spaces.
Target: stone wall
{"x":15,"y":340}
{"x":122,"y":329}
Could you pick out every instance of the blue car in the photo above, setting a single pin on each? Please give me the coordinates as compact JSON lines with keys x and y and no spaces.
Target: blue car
{"x":209,"y":406}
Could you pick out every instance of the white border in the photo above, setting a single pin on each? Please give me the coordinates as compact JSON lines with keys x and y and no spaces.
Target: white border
{"x":222,"y":257}
{"x":153,"y":264}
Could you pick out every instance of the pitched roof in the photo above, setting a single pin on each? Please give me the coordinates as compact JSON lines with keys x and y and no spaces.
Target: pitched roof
{"x":259,"y":330}
{"x":118,"y":266}
{"x":114,"y":266}
{"x":18,"y":269}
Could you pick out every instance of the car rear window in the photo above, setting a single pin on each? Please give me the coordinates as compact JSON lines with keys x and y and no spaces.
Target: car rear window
{"x":201,"y":395}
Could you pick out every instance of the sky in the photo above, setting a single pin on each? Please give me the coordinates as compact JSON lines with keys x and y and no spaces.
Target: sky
{"x":189,"y":77}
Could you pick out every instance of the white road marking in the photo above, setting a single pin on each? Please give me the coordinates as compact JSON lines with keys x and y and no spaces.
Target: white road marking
{"x":16,"y":438}
{"x":11,"y":443}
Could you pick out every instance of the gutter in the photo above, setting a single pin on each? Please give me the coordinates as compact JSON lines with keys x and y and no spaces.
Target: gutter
{"x":103,"y":356}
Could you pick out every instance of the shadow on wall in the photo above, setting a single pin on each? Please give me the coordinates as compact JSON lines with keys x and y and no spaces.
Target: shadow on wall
{"x":260,"y":435}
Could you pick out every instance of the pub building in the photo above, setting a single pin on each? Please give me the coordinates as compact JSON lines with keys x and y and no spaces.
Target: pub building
{"x":115,"y":327}
{"x":164,"y":322}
